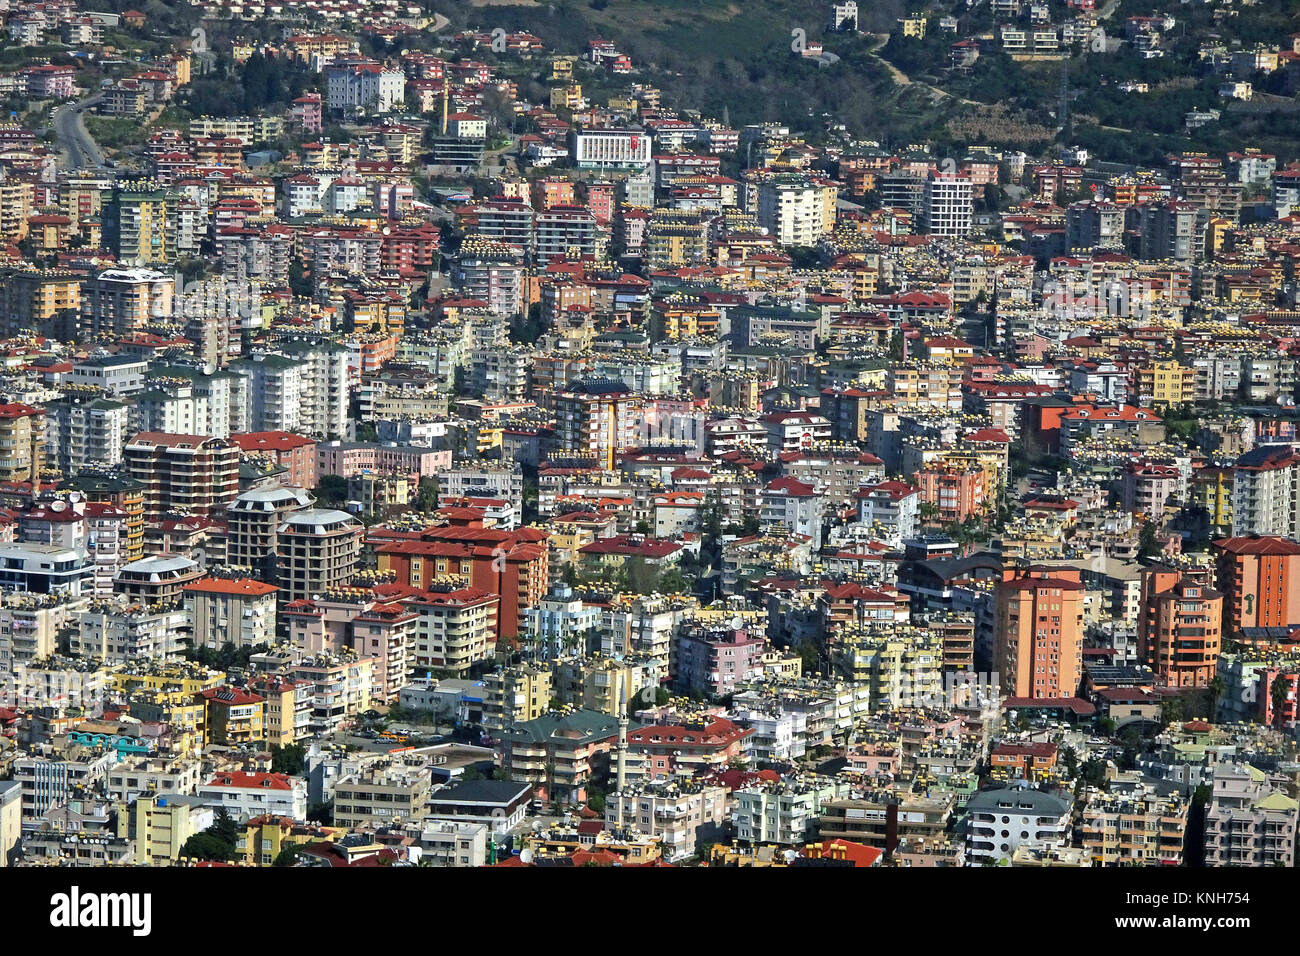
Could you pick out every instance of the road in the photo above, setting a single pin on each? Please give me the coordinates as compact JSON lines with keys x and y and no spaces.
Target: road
{"x":80,"y":150}
{"x":902,"y":79}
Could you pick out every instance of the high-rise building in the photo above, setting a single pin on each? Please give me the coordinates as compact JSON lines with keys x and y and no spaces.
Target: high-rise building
{"x":193,"y":474}
{"x":1266,"y":492}
{"x":1039,"y":639}
{"x":126,"y":301}
{"x":947,"y":210}
{"x":1180,"y":630}
{"x":1259,"y":577}
{"x":318,"y":550}
{"x":797,"y":210}
{"x":594,"y":419}
{"x":140,"y":224}
{"x":253,"y":522}
{"x":1170,"y":230}
{"x":22,"y":436}
{"x":1094,"y":225}
{"x":48,"y":302}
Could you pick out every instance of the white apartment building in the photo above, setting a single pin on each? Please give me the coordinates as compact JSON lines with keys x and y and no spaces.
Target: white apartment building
{"x":785,"y":813}
{"x":947,"y":209}
{"x":797,"y":210}
{"x":364,"y":87}
{"x":1266,"y":492}
{"x":1006,"y":818}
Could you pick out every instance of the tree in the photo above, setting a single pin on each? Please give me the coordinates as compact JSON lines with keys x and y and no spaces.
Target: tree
{"x":205,"y":846}
{"x":1071,"y":761}
{"x":332,"y":490}
{"x":809,"y":656}
{"x":1279,"y":692}
{"x":426,"y":497}
{"x":290,"y":759}
{"x":1093,"y":772}
{"x":300,"y":281}
{"x":288,"y":856}
{"x":1148,"y":542}
{"x":217,"y":842}
{"x":1216,"y":689}
{"x":672,"y":581}
{"x":711,"y":531}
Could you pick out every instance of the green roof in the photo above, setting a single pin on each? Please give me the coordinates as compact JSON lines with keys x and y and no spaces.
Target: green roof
{"x":576,"y":726}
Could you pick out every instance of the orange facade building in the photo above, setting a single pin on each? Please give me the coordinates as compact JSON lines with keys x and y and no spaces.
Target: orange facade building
{"x":1180,"y":631}
{"x":1038,"y":648}
{"x":510,"y":564}
{"x":1259,"y":577}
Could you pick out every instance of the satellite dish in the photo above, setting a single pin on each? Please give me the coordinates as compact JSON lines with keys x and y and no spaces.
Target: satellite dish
{"x":58,"y":506}
{"x":525,"y":856}
{"x":737,"y":623}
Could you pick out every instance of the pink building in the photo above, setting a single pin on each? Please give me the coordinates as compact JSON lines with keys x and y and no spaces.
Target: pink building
{"x":354,"y":458}
{"x":297,"y":453}
{"x":305,"y":112}
{"x":49,"y":82}
{"x":714,"y":661}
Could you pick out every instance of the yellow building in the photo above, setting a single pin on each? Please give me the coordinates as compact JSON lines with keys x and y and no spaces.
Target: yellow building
{"x":1163,"y":384}
{"x":283,"y":700}
{"x":140,"y":216}
{"x":913,"y":26}
{"x":1211,"y":489}
{"x":15,"y":208}
{"x":514,"y":695}
{"x":22,"y":436}
{"x":689,"y":321}
{"x":562,"y":67}
{"x":726,"y":854}
{"x":677,"y":238}
{"x":261,"y":839}
{"x":567,"y":97}
{"x":232,"y":716}
{"x":159,"y":825}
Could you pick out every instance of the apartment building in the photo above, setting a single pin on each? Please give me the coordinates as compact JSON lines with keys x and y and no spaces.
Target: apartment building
{"x":683,"y":815}
{"x":786,"y":812}
{"x":795,"y":209}
{"x":1266,"y":492}
{"x":22,"y":436}
{"x":234,"y":610}
{"x":1133,"y":825}
{"x":1002,"y":820}
{"x":560,"y":753}
{"x":384,"y":793}
{"x":1180,"y":630}
{"x":1038,"y":644}
{"x":246,"y":795}
{"x":1248,"y":820}
{"x":193,"y":474}
{"x":1259,"y":577}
